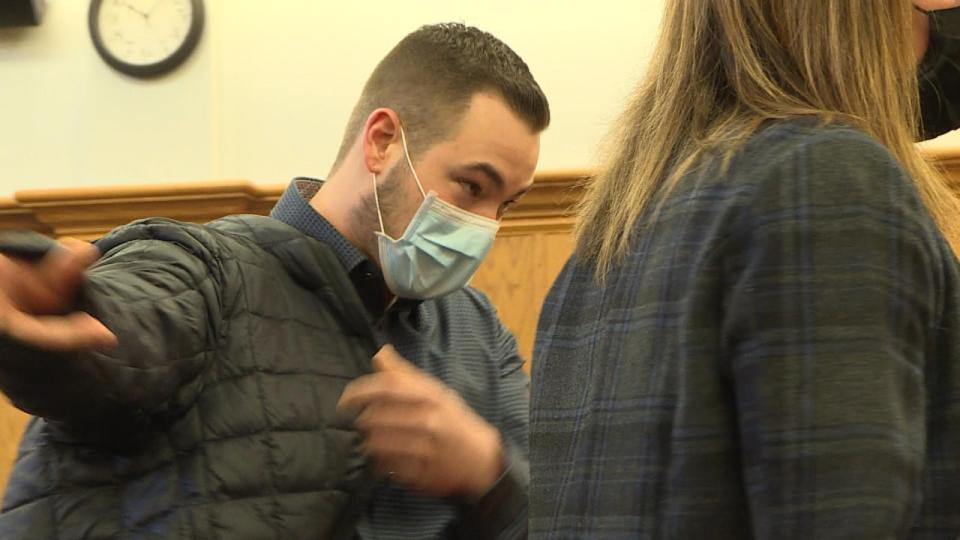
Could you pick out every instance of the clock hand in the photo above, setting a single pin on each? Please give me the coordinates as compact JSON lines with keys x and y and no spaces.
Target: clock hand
{"x":154,"y":7}
{"x":135,"y":10}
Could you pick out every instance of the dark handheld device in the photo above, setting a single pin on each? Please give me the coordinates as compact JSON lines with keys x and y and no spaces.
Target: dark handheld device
{"x":28,"y":245}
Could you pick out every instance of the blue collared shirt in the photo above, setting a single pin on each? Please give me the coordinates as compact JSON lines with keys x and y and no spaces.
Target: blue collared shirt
{"x":458,"y":339}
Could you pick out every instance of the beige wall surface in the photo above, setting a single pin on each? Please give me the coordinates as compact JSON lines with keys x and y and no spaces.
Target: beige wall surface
{"x":268,"y":91}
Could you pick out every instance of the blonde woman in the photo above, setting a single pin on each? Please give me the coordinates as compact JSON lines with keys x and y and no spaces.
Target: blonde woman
{"x":759,"y":334}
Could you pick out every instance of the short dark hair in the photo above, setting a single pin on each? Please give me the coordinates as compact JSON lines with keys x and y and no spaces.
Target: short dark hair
{"x":430,"y":77}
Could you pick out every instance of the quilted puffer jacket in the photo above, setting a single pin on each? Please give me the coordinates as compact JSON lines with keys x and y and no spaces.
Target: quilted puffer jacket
{"x":215,"y":416}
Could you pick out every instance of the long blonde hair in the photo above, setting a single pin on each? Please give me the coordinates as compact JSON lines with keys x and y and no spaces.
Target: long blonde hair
{"x":722,"y":68}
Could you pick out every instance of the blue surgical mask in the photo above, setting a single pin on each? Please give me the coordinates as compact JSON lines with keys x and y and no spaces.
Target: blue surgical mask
{"x":440,"y":250}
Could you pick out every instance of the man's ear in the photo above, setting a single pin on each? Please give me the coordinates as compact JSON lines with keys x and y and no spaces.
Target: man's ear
{"x":379,"y":133}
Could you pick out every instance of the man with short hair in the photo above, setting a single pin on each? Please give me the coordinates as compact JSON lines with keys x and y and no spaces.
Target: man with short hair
{"x":210,"y":381}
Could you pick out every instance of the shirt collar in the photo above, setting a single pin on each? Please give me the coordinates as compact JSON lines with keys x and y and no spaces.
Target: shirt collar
{"x":294,"y":209}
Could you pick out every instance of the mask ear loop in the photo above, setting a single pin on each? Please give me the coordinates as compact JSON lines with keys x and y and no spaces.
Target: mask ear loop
{"x":376,"y":199}
{"x":406,"y":153}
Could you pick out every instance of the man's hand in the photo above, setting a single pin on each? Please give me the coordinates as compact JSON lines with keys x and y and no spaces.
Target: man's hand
{"x":421,"y":434}
{"x":35,"y":299}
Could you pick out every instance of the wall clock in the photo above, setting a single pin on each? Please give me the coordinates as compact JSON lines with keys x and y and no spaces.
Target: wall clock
{"x":145,"y":38}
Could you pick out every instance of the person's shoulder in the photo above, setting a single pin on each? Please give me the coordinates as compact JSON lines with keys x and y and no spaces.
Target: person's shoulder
{"x":470,"y":298}
{"x":156,"y":232}
{"x":220,"y":239}
{"x":786,"y":160}
{"x":261,"y":229}
{"x":258,"y":233}
{"x":465,"y":305}
{"x":471,"y":310}
{"x":807,"y":162}
{"x":804,"y":146}
{"x":808,"y":178}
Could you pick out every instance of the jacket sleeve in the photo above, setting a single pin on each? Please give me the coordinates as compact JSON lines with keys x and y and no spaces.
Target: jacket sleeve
{"x":158,"y":288}
{"x":940,"y":76}
{"x":831,"y":280}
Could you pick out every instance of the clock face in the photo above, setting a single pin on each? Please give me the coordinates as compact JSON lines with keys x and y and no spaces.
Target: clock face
{"x":145,"y":37}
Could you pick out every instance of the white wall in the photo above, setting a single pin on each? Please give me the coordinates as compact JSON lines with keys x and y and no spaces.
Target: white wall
{"x":266,"y":95}
{"x":67,"y":119}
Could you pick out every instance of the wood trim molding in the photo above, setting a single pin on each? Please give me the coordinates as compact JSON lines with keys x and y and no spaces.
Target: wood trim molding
{"x":14,"y":216}
{"x":548,"y":207}
{"x":90,"y":212}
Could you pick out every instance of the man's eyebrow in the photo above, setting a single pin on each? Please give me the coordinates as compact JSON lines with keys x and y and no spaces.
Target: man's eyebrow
{"x":489,"y":170}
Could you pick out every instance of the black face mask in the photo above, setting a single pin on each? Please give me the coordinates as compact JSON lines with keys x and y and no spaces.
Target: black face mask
{"x":944,"y":22}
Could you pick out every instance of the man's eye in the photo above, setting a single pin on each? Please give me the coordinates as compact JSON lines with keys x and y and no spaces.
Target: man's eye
{"x":472,"y":187}
{"x":505,"y":207}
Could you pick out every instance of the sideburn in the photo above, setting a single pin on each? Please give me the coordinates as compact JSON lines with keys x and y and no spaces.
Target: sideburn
{"x":364,"y":217}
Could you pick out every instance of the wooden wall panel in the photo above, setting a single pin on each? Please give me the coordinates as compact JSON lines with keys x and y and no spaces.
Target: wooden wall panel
{"x":14,"y":216}
{"x":12,"y":422}
{"x":517,"y":276}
